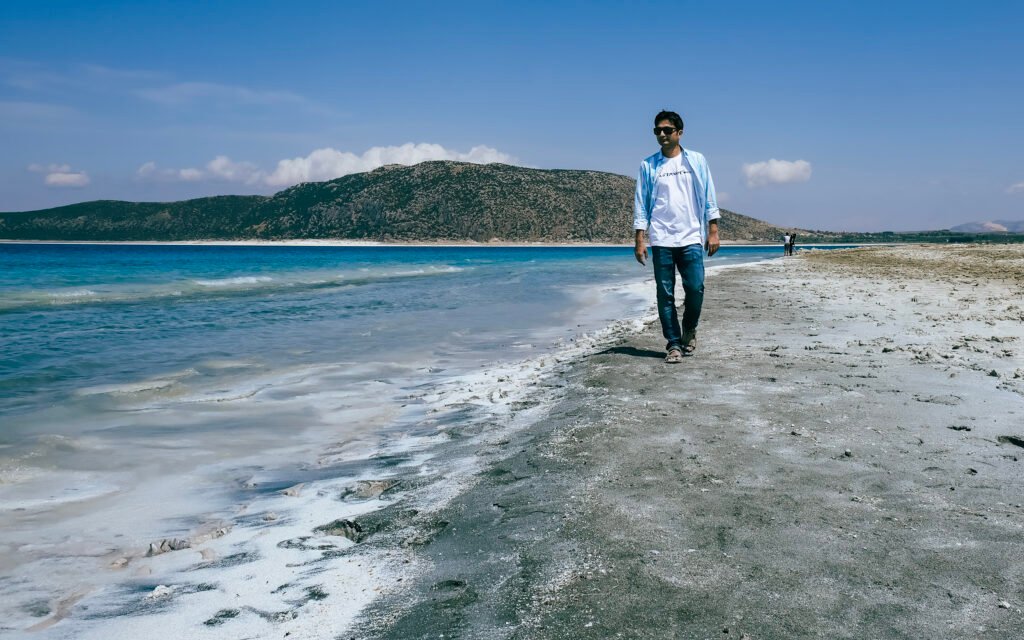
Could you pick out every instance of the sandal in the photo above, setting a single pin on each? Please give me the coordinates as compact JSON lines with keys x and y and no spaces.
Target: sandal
{"x":689,"y":342}
{"x":675,"y":356}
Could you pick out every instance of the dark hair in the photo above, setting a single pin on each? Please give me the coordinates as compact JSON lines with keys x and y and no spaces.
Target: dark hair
{"x":671,"y":116}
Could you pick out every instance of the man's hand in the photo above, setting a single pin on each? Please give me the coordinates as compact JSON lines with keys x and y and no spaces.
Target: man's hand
{"x":713,"y":243}
{"x":640,"y":248}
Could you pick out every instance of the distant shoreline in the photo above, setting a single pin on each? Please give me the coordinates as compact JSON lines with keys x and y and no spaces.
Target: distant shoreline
{"x":371,"y":243}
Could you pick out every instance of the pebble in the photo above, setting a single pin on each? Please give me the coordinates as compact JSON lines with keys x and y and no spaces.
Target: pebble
{"x":369,"y":489}
{"x":294,"y":492}
{"x":1003,"y":604}
{"x":161,"y":591}
{"x":848,"y":453}
{"x":345,"y":528}
{"x":170,"y":544}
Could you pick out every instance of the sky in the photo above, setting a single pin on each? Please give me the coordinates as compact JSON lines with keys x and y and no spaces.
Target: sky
{"x":859,"y":116}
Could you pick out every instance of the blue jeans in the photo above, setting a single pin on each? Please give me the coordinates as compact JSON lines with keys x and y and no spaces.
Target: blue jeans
{"x":689,"y":261}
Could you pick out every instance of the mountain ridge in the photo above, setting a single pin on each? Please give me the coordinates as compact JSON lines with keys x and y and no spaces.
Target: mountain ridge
{"x":991,"y":226}
{"x":429,"y":201}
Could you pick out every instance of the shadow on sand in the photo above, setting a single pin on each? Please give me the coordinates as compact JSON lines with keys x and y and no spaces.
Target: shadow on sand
{"x":633,"y":351}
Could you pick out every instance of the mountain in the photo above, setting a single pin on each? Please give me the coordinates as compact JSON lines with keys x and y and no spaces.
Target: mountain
{"x":430,"y":201}
{"x":995,"y":226}
{"x":116,"y":220}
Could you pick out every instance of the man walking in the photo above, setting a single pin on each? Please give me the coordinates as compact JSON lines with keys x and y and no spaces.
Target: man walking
{"x":675,"y":206}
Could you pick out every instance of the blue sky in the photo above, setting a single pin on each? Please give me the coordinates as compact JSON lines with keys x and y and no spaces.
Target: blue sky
{"x":839,"y":115}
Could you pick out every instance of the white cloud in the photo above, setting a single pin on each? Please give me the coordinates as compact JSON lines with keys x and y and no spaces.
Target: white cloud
{"x":146,"y":170}
{"x":1016,"y":188}
{"x":775,"y":171}
{"x":224,"y":168}
{"x":321,"y":164}
{"x":67,"y":179}
{"x":327,"y":164}
{"x":190,"y":92}
{"x":60,"y":175}
{"x":33,"y":76}
{"x":218,"y":168}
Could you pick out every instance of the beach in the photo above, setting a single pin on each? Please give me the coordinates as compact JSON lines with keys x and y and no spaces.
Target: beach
{"x":840,"y":459}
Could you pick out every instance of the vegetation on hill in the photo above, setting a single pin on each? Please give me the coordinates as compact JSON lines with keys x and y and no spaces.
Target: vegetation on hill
{"x":431,"y":201}
{"x":116,"y":220}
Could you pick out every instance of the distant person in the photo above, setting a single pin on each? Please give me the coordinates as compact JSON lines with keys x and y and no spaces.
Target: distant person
{"x":675,"y":206}
{"x":785,"y":244}
{"x":792,"y":243}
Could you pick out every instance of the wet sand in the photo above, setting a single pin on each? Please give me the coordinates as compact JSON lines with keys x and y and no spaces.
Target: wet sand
{"x":842,"y":458}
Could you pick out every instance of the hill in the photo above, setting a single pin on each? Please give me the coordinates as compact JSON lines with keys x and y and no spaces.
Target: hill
{"x":431,"y":201}
{"x":116,"y":220}
{"x":994,"y":226}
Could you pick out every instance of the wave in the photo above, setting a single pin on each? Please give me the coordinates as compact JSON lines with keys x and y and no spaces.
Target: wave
{"x":160,"y":383}
{"x":199,"y":288}
{"x":234,"y":282}
{"x":73,"y":294}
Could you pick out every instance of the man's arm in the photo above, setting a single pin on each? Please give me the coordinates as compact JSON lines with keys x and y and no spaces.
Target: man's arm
{"x":713,"y":242}
{"x":640,"y":248}
{"x":641,"y":217}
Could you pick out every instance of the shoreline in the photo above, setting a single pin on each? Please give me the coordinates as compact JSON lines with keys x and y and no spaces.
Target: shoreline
{"x":336,"y":540}
{"x":563,"y":496}
{"x":295,"y":507}
{"x":843,"y":461}
{"x":370,"y":243}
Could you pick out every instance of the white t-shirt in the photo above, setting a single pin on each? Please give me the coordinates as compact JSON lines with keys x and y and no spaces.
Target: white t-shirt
{"x":674,"y":221}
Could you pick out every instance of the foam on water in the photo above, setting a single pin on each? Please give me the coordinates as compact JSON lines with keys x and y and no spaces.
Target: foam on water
{"x":206,"y":442}
{"x":161,"y":383}
{"x":76,"y":293}
{"x":106,"y":293}
{"x":231,"y":282}
{"x":256,"y":544}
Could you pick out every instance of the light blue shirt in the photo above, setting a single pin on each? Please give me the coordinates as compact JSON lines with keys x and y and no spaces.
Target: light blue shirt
{"x":703,"y":187}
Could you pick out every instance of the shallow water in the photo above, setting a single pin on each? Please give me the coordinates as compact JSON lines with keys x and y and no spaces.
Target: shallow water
{"x":140,"y":385}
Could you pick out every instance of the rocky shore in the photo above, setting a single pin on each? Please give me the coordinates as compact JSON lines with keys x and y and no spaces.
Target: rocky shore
{"x":843,"y":458}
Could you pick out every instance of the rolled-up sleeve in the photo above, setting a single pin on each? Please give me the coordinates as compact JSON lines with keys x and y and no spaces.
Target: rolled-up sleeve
{"x":641,"y":216}
{"x":711,"y":211}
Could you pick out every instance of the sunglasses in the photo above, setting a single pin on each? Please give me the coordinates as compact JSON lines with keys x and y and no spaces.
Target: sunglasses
{"x":664,"y":131}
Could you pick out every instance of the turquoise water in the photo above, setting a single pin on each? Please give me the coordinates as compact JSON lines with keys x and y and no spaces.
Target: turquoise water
{"x":88,"y":315}
{"x":127,"y":342}
{"x":111,"y":350}
{"x":143,"y":388}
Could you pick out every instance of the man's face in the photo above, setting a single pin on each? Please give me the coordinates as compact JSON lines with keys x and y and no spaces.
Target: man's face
{"x":667,"y":134}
